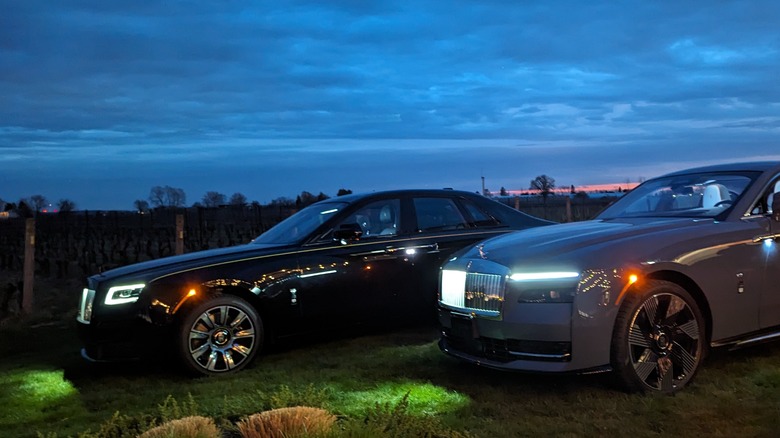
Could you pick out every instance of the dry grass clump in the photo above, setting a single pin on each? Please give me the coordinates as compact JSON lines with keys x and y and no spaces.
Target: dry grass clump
{"x":187,"y":427}
{"x":287,"y":423}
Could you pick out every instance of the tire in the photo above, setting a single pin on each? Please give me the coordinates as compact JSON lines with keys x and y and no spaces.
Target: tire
{"x":220,"y":335}
{"x":659,"y":340}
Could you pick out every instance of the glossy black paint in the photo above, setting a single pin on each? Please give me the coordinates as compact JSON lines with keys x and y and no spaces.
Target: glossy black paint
{"x":324,"y":279}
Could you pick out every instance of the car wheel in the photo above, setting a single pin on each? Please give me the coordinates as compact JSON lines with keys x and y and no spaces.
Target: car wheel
{"x":219,"y":335}
{"x":659,"y":339}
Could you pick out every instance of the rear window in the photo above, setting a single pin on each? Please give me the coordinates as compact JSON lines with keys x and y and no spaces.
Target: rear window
{"x":479,"y":216}
{"x":438,"y":214}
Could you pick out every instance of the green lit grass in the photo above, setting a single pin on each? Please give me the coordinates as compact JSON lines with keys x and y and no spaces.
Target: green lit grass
{"x":37,"y":397}
{"x":46,"y":388}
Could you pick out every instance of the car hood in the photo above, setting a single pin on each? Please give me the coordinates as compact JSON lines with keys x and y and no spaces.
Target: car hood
{"x":155,"y":268}
{"x":579,"y":243}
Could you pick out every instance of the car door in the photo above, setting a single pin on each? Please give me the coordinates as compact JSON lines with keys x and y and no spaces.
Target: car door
{"x":769,"y":310}
{"x":442,"y":226}
{"x":344,"y":281}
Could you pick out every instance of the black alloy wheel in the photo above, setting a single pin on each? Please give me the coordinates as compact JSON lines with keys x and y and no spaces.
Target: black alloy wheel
{"x":659,"y":339}
{"x":220,"y":335}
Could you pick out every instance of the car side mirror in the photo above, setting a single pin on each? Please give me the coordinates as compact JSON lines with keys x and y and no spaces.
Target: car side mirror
{"x":776,"y":206}
{"x":349,"y":232}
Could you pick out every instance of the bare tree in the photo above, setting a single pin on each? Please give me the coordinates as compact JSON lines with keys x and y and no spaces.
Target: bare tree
{"x":304,"y":199}
{"x":141,"y":206}
{"x":213,"y":199}
{"x":238,"y":199}
{"x":38,"y":202}
{"x":282,"y":201}
{"x":157,"y":196}
{"x":544,"y":184}
{"x":175,"y":197}
{"x":167,"y":196}
{"x":66,"y":205}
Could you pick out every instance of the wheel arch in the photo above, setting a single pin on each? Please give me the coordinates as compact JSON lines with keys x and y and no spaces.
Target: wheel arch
{"x":692,"y":288}
{"x":208,"y":290}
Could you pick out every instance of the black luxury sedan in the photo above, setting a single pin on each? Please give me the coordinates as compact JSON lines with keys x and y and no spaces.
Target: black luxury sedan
{"x":344,"y":260}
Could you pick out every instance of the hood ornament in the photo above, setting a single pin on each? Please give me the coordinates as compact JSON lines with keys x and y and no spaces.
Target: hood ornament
{"x":482,"y":253}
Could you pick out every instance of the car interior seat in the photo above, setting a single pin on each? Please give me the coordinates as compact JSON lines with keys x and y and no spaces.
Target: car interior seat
{"x":715,"y":194}
{"x":387,"y":219}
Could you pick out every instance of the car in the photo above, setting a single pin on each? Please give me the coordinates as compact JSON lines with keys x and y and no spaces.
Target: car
{"x":341,"y":261}
{"x":681,"y":264}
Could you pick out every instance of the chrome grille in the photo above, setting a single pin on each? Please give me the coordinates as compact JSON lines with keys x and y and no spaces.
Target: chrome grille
{"x":484,"y":292}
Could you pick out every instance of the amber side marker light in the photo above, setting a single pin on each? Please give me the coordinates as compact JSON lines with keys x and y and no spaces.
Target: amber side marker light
{"x":632,"y":279}
{"x":191,"y":293}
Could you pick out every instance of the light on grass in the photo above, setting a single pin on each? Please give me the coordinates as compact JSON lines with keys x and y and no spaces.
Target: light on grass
{"x":424,"y":398}
{"x":35,"y":394}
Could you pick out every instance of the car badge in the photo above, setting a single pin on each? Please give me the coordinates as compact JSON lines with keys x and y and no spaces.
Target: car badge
{"x":482,"y":253}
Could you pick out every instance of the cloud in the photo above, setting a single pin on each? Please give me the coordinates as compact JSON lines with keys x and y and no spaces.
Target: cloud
{"x":311,"y":85}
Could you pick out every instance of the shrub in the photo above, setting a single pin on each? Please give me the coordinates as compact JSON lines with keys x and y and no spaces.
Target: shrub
{"x":298,"y":421}
{"x":187,"y":427}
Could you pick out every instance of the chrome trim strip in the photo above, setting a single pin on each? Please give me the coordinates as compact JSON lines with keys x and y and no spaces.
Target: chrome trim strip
{"x":735,"y":344}
{"x":303,"y":251}
{"x":541,"y":356}
{"x":757,"y":339}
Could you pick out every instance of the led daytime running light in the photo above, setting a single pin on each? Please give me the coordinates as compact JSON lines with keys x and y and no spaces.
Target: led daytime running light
{"x":124,"y":294}
{"x":537,"y":276}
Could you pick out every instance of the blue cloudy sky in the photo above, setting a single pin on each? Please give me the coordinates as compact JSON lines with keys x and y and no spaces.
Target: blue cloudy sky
{"x":100,"y":101}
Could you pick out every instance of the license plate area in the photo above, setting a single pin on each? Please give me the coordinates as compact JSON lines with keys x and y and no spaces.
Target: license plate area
{"x":463,"y":326}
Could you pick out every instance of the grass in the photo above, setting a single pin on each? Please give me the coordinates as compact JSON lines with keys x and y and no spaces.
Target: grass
{"x":47,"y":389}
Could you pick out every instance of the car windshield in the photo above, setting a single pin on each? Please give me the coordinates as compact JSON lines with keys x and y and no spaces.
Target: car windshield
{"x":701,"y":195}
{"x":301,"y":224}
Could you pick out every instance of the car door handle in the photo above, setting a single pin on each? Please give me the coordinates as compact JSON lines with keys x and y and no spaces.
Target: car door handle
{"x":401,"y":251}
{"x":415,"y":249}
{"x":766,"y":237}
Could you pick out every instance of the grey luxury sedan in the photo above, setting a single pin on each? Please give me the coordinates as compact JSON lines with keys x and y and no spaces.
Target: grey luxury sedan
{"x":683,"y":263}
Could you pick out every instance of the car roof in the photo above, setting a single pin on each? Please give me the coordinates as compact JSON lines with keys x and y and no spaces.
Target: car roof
{"x":394,"y":193}
{"x":756,"y":166}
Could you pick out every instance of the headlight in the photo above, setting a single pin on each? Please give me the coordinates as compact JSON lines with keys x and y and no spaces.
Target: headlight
{"x":85,"y":306}
{"x":544,"y":287}
{"x":124,"y":294}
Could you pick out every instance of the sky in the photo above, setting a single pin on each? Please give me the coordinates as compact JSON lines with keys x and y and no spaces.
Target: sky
{"x":100,"y":101}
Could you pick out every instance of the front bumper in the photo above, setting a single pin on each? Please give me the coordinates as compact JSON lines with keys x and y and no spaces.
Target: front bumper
{"x":532,"y":337}
{"x":106,"y":342}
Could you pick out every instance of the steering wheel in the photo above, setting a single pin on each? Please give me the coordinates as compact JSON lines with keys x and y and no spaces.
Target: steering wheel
{"x":723,"y":202}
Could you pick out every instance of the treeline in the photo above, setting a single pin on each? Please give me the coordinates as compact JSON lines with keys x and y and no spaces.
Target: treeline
{"x":159,"y":197}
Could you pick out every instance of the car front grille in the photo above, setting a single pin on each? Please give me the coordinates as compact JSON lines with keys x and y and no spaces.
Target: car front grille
{"x":484,"y":292}
{"x":473,"y":291}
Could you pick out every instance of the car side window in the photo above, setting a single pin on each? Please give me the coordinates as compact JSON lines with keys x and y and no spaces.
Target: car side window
{"x":480,"y":217}
{"x":764,"y":203}
{"x":438,"y":214}
{"x":377,"y":220}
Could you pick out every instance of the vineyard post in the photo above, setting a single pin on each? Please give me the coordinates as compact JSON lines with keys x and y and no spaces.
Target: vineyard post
{"x":29,"y":266}
{"x":179,"y":234}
